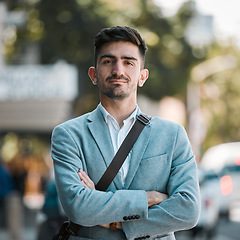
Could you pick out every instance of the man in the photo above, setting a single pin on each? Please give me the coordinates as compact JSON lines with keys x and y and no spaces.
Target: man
{"x":156,"y":190}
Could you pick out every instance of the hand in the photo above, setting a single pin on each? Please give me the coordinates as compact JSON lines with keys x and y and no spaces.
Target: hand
{"x":87,"y":182}
{"x":118,"y":225}
{"x":155,"y":197}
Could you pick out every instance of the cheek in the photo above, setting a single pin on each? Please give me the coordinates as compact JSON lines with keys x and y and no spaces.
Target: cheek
{"x":104,"y":72}
{"x":133,"y":75}
{"x":101,"y":75}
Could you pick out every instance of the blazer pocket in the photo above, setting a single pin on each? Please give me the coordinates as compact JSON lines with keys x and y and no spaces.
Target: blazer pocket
{"x":153,"y":173}
{"x":159,"y":159}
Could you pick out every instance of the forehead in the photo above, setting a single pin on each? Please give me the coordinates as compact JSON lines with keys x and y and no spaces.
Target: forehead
{"x":120,"y":49}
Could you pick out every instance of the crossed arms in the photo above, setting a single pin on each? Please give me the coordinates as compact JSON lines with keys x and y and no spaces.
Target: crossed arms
{"x":153,"y":197}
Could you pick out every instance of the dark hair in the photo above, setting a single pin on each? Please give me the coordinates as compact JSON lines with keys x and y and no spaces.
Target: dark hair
{"x":119,"y":33}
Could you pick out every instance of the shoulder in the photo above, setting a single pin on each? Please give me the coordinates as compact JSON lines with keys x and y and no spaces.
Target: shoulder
{"x":167,"y":129}
{"x":169,"y":134}
{"x":78,"y":123}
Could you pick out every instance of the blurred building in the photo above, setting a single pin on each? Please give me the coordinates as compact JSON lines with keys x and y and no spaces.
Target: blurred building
{"x":35,"y":98}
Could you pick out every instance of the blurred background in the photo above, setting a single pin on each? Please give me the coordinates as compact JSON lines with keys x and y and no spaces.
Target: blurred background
{"x":46,"y":48}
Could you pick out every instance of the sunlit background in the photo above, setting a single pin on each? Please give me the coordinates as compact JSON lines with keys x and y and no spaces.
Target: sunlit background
{"x":46,"y":48}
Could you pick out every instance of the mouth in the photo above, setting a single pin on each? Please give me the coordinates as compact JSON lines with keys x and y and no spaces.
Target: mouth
{"x":117,"y":80}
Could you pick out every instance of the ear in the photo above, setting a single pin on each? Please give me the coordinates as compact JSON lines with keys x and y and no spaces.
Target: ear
{"x":93,"y":75}
{"x":143,"y":77}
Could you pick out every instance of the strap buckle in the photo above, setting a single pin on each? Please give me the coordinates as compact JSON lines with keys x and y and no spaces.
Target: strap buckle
{"x":144,"y":119}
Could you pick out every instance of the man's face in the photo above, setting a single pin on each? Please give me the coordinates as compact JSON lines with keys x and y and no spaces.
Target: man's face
{"x":118,"y":71}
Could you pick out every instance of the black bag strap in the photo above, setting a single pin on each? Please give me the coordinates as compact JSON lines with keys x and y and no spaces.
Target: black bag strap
{"x":115,"y":165}
{"x":122,"y":153}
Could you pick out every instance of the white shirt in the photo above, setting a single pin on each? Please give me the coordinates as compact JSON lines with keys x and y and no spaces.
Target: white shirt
{"x":118,"y":135}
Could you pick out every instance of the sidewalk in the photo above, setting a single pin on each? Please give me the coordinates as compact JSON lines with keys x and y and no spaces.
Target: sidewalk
{"x":28,"y":234}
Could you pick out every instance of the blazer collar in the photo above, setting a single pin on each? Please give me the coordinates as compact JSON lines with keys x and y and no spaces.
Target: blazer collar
{"x":100,"y":132}
{"x":101,"y":135}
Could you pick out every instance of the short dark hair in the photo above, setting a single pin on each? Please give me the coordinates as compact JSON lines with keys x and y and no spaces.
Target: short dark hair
{"x":119,"y":33}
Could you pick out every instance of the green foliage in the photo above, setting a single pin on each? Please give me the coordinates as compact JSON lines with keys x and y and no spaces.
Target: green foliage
{"x":171,"y":58}
{"x":66,"y":29}
{"x":220,"y":100}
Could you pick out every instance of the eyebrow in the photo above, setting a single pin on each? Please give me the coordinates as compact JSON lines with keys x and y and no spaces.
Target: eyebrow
{"x":123,"y":57}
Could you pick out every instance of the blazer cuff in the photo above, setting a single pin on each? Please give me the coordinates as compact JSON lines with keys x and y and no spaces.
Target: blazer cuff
{"x":128,"y":220}
{"x":140,"y":210}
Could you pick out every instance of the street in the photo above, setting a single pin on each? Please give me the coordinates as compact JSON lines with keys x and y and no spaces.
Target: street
{"x":226,"y":230}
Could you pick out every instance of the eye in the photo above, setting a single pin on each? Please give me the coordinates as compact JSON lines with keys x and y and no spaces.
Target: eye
{"x":107,"y":61}
{"x":129,"y":63}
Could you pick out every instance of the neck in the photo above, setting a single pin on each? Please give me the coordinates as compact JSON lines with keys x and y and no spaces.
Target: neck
{"x":119,"y":109}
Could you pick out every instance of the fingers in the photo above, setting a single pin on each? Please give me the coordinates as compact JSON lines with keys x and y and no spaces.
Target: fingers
{"x":164,"y":197}
{"x":118,"y":225}
{"x":105,"y":225}
{"x":155,"y":197}
{"x":87,"y":182}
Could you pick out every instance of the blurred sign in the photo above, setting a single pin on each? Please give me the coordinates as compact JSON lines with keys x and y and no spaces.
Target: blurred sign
{"x":58,"y":81}
{"x":36,"y":98}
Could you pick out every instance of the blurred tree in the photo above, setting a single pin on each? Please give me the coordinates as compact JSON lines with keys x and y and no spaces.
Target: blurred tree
{"x":69,"y":29}
{"x":65,"y":30}
{"x":220,"y":99}
{"x":170,"y":57}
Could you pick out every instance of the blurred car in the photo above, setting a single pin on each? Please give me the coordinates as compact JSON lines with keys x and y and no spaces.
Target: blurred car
{"x":224,"y":159}
{"x":232,"y":188}
{"x":209,"y":214}
{"x":217,"y":157}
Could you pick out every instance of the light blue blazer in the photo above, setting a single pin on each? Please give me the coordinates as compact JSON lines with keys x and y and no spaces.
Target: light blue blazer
{"x":161,"y":160}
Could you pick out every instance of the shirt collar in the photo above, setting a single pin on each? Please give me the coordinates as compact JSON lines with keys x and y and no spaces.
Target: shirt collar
{"x":107,"y":115}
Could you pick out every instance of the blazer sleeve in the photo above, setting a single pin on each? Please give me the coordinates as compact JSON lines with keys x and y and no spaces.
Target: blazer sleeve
{"x":181,"y":210}
{"x":82,"y":205}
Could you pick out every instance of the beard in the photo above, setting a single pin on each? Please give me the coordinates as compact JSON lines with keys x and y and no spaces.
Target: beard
{"x":113,"y":91}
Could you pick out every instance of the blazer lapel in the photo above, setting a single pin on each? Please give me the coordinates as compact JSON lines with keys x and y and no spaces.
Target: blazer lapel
{"x":137,"y":154}
{"x":100,"y":133}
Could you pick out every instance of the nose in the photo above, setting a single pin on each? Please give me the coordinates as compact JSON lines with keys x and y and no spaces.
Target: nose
{"x":118,"y":69}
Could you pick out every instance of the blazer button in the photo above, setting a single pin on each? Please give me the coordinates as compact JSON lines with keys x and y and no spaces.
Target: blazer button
{"x":125,"y":218}
{"x":137,"y":216}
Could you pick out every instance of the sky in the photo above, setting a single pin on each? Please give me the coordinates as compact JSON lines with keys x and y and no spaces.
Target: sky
{"x":225,"y":12}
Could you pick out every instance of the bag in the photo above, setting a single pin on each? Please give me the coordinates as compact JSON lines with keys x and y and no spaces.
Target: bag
{"x":70,"y":228}
{"x":64,"y":232}
{"x":49,"y":228}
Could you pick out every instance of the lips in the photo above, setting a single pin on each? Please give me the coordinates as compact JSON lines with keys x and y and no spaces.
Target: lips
{"x":121,"y":79}
{"x":117,"y":81}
